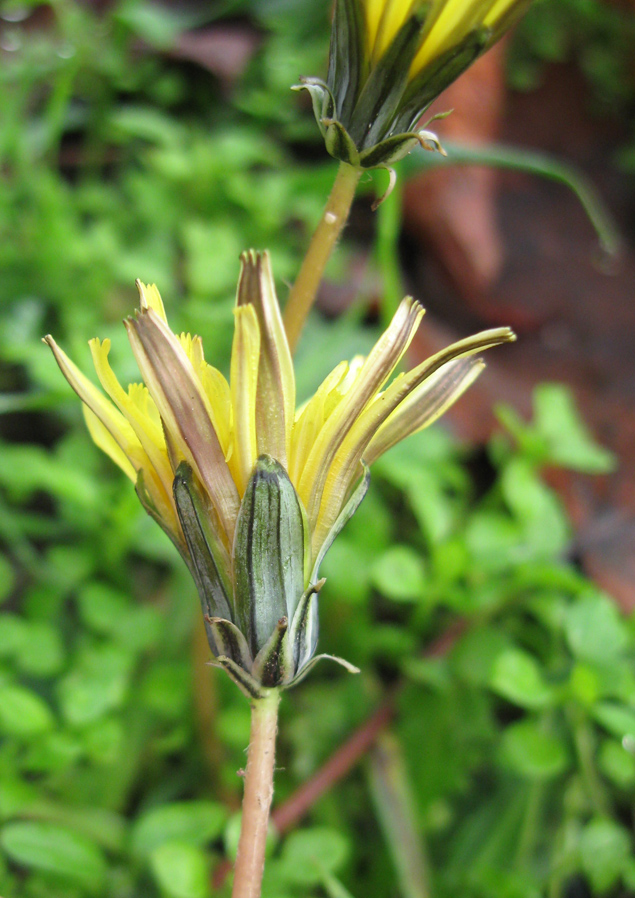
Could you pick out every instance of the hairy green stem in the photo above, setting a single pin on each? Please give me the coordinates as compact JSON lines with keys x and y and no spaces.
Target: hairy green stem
{"x":334,"y":217}
{"x":250,"y":860}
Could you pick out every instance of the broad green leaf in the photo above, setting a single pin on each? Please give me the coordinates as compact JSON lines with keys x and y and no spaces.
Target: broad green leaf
{"x":100,"y":606}
{"x":516,"y":676}
{"x":617,"y":763}
{"x":181,"y":870}
{"x":494,"y":541}
{"x":532,"y":752}
{"x":594,"y":629}
{"x":476,"y":652}
{"x":617,"y":719}
{"x":13,"y":634}
{"x":570,"y":444}
{"x":41,"y":654}
{"x":23,"y":713}
{"x":308,"y":853}
{"x":605,"y":847}
{"x":57,"y":850}
{"x":537,"y":509}
{"x":53,"y":752}
{"x":97,"y":685}
{"x":398,"y":574}
{"x":190,"y":822}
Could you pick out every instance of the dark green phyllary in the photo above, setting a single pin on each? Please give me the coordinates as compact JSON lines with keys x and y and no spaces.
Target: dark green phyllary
{"x":264,"y":629}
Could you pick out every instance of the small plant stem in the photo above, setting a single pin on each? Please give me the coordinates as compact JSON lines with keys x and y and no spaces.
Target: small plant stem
{"x":303,"y":292}
{"x":250,"y":860}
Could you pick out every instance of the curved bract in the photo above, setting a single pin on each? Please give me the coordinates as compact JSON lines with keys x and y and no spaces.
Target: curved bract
{"x":251,"y":490}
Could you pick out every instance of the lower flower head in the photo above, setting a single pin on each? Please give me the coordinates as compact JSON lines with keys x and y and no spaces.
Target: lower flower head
{"x":251,"y":490}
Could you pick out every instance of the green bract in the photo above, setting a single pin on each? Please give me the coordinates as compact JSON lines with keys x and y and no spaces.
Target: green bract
{"x":264,"y":630}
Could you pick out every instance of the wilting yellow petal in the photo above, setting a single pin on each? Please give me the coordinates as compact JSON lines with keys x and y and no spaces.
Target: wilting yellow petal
{"x":275,"y":404}
{"x":105,"y":441}
{"x":146,"y":427}
{"x":424,"y":405}
{"x":214,"y":386}
{"x":379,"y":365}
{"x":219,"y":396}
{"x":184,"y":409}
{"x":243,"y":385}
{"x":310,"y":420}
{"x":345,"y":466}
{"x":150,"y":298}
{"x":113,"y":420}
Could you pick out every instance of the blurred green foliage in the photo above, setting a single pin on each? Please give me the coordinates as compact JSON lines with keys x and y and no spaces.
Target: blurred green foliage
{"x":512,"y":764}
{"x":596,"y":34}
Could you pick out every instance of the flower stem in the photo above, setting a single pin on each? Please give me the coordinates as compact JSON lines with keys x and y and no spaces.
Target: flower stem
{"x":250,"y":860}
{"x":303,"y":292}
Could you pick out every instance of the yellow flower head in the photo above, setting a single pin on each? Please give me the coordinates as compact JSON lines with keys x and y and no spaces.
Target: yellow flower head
{"x":389,"y":60}
{"x":251,"y":490}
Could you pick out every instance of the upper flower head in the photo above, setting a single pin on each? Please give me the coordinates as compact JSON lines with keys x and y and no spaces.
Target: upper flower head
{"x":252,"y":491}
{"x":389,"y":60}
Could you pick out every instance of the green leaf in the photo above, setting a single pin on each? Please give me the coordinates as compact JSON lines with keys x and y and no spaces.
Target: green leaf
{"x":398,"y":573}
{"x":181,"y":870}
{"x":532,"y":752}
{"x":516,"y":676}
{"x":494,"y":541}
{"x":617,"y":719}
{"x":538,"y":511}
{"x":41,"y":654}
{"x":474,"y":655}
{"x":189,"y":822}
{"x":570,"y":444}
{"x":308,"y":853}
{"x":23,"y":713}
{"x":54,"y":849}
{"x":97,"y":685}
{"x":594,"y":629}
{"x":13,"y":634}
{"x":617,"y":763}
{"x":605,"y":847}
{"x":100,"y":607}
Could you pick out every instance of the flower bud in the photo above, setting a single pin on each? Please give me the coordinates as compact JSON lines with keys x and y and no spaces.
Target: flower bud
{"x":389,"y":59}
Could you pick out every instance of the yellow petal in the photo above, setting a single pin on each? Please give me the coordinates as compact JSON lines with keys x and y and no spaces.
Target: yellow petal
{"x":393,"y":16}
{"x":275,"y":405}
{"x":310,"y":420}
{"x":150,"y":298}
{"x":448,"y":24}
{"x":145,"y":425}
{"x":379,"y":365}
{"x":105,"y":441}
{"x":113,"y":420}
{"x":345,"y":467}
{"x":218,"y":393}
{"x":184,"y":409}
{"x":424,"y":405}
{"x":243,"y":385}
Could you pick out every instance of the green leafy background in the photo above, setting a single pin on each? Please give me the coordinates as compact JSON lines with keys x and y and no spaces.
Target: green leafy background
{"x":509,"y":769}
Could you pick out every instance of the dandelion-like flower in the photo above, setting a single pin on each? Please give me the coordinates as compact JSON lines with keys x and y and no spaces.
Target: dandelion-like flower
{"x":251,"y":490}
{"x":389,"y":59}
